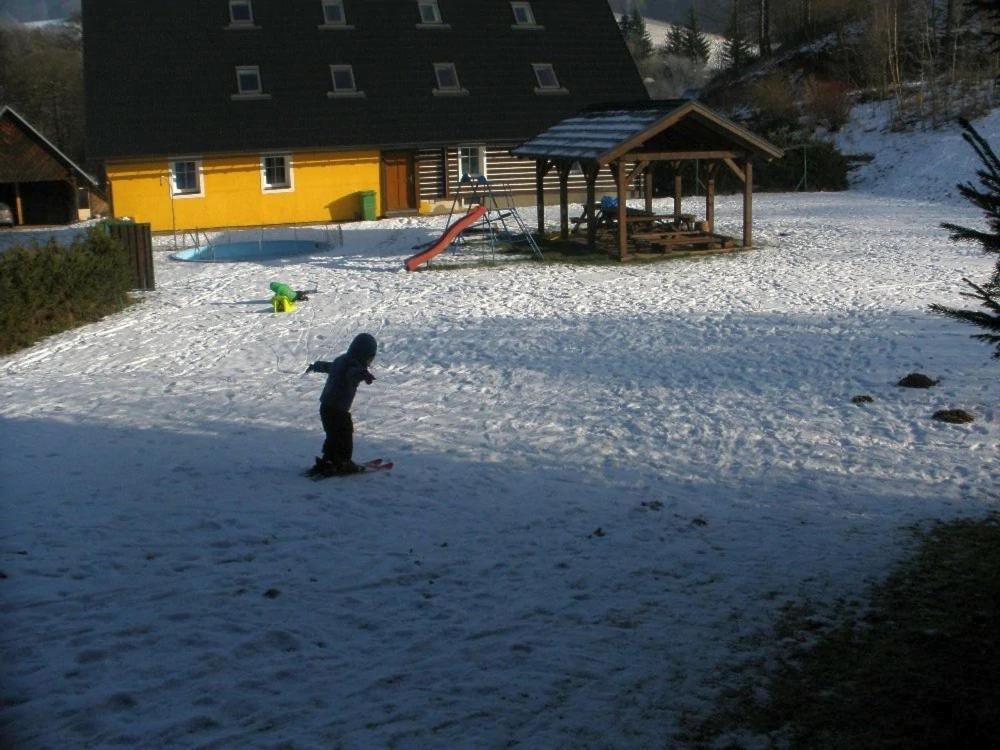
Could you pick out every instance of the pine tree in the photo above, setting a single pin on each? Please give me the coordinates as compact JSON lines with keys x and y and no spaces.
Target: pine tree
{"x":674,"y":45}
{"x":633,"y":28}
{"x":988,"y":199}
{"x":696,"y":47}
{"x":736,"y":52}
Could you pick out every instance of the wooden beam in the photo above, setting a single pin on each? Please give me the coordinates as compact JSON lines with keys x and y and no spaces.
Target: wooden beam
{"x":748,"y":203}
{"x":680,"y":155}
{"x":564,"y":201}
{"x":639,"y":169}
{"x":735,"y":169}
{"x":18,"y":205}
{"x":678,"y":189}
{"x":541,"y":169}
{"x":647,"y":188}
{"x":710,"y":171}
{"x":590,"y":173}
{"x":622,"y":180}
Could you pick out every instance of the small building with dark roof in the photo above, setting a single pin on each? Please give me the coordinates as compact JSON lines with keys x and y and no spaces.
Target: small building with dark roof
{"x":210,"y":113}
{"x":38,"y":181}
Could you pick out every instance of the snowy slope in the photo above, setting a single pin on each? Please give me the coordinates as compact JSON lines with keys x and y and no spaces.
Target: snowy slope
{"x":660,"y":30}
{"x":921,"y":164}
{"x":605,"y":477}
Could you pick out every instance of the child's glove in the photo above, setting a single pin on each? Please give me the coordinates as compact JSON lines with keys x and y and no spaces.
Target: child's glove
{"x":311,"y":368}
{"x":369,"y":378}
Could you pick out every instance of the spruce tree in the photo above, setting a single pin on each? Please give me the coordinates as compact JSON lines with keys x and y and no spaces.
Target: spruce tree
{"x":637,"y":39}
{"x":696,"y":46}
{"x":987,"y":198}
{"x":675,"y":42}
{"x":736,"y":52}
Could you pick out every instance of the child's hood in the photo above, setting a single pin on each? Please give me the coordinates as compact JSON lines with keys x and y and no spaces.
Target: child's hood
{"x":363,"y":348}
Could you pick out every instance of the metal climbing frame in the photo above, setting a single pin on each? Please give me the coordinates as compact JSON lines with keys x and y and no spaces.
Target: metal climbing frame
{"x":499,"y":202}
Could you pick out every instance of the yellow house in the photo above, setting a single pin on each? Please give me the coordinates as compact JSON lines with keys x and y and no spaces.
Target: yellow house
{"x":240,"y":190}
{"x":238,"y":113}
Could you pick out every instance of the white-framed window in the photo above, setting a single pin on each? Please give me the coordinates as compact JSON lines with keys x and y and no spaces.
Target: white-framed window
{"x":275,"y":172}
{"x":430,"y":13}
{"x":248,"y":82}
{"x":446,"y":75}
{"x":471,"y":162}
{"x":333,"y":13}
{"x":240,"y":13}
{"x":344,"y":83}
{"x":185,"y":178}
{"x":523,"y":14}
{"x":548,"y":81}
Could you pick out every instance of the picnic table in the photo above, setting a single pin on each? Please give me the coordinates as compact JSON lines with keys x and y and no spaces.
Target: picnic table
{"x":606,"y":215}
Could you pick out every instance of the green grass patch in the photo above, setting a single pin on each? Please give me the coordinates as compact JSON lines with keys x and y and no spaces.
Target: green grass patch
{"x":915,"y":666}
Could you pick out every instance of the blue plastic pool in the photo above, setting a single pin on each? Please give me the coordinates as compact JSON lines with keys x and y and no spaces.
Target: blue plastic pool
{"x":250,"y":250}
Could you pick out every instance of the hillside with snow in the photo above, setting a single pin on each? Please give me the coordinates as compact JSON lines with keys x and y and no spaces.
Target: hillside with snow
{"x":609,"y":482}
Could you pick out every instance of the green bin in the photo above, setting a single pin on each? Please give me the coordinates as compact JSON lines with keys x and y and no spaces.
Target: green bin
{"x":368,"y":205}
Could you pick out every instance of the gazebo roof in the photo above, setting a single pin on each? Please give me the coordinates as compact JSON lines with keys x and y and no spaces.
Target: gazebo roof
{"x":603,"y":134}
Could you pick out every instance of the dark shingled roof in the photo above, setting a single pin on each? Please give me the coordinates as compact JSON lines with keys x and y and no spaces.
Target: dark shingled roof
{"x":160,"y":73}
{"x":20,"y":164}
{"x":602,"y":133}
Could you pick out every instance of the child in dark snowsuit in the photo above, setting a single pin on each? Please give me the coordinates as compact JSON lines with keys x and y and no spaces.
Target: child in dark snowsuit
{"x":344,"y":374}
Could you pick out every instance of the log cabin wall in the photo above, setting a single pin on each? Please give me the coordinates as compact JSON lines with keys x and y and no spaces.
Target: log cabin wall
{"x":501,"y":167}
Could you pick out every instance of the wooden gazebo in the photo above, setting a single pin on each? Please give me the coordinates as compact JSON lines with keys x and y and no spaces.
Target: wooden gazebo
{"x":633,"y":141}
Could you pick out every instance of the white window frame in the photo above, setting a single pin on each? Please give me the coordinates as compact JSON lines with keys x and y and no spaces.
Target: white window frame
{"x":327,"y":23}
{"x":455,"y":90}
{"x":285,"y":187}
{"x":525,"y":7}
{"x":340,"y":93}
{"x":436,"y":22}
{"x":543,"y":88}
{"x":241,"y":93}
{"x":480,"y":157}
{"x":242,"y":23}
{"x":175,"y":191}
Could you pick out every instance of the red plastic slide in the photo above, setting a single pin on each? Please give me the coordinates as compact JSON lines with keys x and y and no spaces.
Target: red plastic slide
{"x":474,"y":215}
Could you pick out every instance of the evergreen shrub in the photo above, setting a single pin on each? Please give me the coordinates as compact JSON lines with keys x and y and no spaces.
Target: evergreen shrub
{"x":52,"y":288}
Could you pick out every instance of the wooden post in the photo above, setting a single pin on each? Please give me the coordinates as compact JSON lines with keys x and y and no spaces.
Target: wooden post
{"x":678,"y":189}
{"x":648,"y":188}
{"x":710,"y":196}
{"x":564,"y":201}
{"x":590,"y":173}
{"x":18,"y":205}
{"x":621,"y":178}
{"x":748,"y":202}
{"x":541,"y":167}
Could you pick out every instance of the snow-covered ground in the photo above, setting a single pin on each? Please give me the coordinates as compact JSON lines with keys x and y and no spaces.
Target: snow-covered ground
{"x":605,"y":476}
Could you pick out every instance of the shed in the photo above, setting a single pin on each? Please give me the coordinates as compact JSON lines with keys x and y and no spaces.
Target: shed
{"x":37,"y":180}
{"x":632,"y":140}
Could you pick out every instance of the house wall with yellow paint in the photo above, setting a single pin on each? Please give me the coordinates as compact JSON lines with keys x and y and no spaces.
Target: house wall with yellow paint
{"x":324,"y":187}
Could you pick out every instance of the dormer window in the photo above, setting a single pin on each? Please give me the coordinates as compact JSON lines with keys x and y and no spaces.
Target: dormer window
{"x":248,"y":84}
{"x":548,"y":82}
{"x":524,"y":17}
{"x":344,"y":85}
{"x":430,"y":15}
{"x":241,"y":13}
{"x":333,"y":13}
{"x":447,"y":80}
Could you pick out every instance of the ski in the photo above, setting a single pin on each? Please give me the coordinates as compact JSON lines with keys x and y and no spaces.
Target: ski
{"x":376,"y":464}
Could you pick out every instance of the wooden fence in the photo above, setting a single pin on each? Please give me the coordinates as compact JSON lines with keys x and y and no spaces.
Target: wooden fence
{"x":138,"y":239}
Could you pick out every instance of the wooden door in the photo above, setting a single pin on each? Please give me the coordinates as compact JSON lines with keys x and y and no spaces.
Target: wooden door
{"x":398,"y":182}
